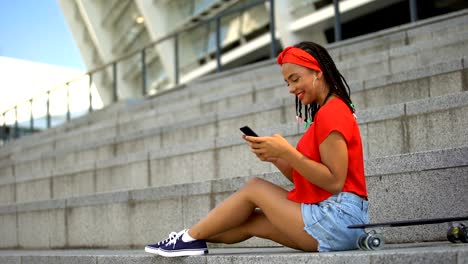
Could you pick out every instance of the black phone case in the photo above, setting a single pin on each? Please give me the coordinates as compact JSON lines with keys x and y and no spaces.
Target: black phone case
{"x":248,"y":131}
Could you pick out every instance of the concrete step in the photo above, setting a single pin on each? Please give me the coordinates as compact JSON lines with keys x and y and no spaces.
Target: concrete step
{"x":159,"y":104}
{"x":395,"y":129}
{"x":400,"y":187}
{"x":109,"y":112}
{"x":117,"y":122}
{"x":419,"y":83}
{"x":436,"y":80}
{"x":405,"y":58}
{"x":417,"y":253}
{"x":409,"y":34}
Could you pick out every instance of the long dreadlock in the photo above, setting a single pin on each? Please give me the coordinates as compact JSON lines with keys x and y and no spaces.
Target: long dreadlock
{"x":338,"y":85}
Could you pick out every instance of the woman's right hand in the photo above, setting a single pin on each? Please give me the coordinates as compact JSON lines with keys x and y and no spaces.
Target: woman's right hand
{"x":282,"y":165}
{"x":261,"y":157}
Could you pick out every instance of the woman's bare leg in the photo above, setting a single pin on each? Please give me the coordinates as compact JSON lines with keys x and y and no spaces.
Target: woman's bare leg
{"x":231,"y":220}
{"x":257,"y":225}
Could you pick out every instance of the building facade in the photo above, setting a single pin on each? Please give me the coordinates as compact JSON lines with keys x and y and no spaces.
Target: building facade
{"x":106,"y":30}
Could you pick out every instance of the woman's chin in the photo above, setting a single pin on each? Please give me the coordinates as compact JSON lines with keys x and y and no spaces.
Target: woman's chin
{"x":304,"y":101}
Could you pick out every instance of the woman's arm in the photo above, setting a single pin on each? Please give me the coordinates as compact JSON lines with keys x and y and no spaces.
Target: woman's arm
{"x":284,"y":167}
{"x":329,"y":175}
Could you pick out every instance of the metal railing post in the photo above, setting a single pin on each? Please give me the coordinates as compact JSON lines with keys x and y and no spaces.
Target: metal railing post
{"x":68,"y":102}
{"x":218,"y":45}
{"x":48,"y":110}
{"x":4,"y":134}
{"x":176,"y":59}
{"x":16,"y":133}
{"x":272,"y":29}
{"x":90,"y":91}
{"x":413,"y":10}
{"x":31,"y":121}
{"x":115,"y":97}
{"x":143,"y":71}
{"x":338,"y":34}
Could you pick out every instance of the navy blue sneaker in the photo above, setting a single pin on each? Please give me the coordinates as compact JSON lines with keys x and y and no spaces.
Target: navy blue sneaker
{"x":153,"y":249}
{"x":176,"y":247}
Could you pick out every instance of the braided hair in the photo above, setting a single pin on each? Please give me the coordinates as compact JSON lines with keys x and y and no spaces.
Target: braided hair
{"x":338,"y":85}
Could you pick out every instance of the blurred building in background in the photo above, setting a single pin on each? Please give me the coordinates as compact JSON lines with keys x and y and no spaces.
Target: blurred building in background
{"x":43,"y":82}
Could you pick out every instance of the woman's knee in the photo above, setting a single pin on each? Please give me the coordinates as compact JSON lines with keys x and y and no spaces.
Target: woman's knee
{"x":255,"y":182}
{"x":253,"y":187}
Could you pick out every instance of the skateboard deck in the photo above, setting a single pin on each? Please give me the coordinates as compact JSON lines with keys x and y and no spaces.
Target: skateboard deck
{"x":373,"y":238}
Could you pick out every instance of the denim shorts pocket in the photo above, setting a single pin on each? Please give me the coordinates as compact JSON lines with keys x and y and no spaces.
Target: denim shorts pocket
{"x":314,"y":213}
{"x":352,"y":214}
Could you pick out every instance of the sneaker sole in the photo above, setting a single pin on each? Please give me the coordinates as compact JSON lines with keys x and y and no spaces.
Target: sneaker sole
{"x":182,"y":253}
{"x":152,"y":250}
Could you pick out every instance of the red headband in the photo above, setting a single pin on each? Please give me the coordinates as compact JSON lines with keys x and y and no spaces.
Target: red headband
{"x":298,"y":56}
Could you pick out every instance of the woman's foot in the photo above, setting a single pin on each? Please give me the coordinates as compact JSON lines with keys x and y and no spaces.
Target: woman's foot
{"x":179,"y":246}
{"x":153,"y":248}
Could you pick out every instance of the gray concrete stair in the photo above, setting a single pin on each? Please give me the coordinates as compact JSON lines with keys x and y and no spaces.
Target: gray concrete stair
{"x":190,"y":156}
{"x":405,"y":253}
{"x":419,"y":83}
{"x":405,"y":58}
{"x":429,"y":81}
{"x":426,"y":30}
{"x":400,"y":187}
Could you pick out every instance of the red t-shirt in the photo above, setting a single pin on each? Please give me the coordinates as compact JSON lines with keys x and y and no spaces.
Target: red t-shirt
{"x":333,"y":116}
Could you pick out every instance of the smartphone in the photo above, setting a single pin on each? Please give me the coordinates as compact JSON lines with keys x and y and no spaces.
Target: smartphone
{"x":248,"y":131}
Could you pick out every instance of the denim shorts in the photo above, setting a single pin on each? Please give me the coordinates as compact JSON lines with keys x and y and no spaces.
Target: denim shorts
{"x":328,"y":221}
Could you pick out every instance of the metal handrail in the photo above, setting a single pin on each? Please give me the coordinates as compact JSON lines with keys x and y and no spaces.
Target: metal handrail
{"x":150,"y":45}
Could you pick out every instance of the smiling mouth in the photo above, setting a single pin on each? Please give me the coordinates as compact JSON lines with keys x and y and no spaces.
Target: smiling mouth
{"x":300,"y":95}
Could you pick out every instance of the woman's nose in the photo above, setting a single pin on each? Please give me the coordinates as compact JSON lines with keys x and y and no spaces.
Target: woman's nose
{"x":292,"y":89}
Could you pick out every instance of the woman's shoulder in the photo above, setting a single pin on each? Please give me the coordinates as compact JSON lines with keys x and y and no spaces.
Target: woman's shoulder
{"x":334,"y":106}
{"x":335,"y":116}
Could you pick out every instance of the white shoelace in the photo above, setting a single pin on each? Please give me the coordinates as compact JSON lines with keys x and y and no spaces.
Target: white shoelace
{"x":171,"y":235}
{"x":172,"y":240}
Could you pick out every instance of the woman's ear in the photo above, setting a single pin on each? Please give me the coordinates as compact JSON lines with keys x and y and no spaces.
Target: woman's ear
{"x":320,"y":75}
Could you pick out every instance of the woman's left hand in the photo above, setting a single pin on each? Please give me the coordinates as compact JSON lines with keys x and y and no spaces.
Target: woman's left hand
{"x":268,"y":148}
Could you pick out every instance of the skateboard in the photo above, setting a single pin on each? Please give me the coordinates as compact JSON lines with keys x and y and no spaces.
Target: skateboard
{"x":373,"y":238}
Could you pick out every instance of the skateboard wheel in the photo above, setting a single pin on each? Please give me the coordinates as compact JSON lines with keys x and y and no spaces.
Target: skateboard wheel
{"x":463,"y":235}
{"x":453,"y":234}
{"x":370,"y":242}
{"x":374,"y":242}
{"x":360,"y":242}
